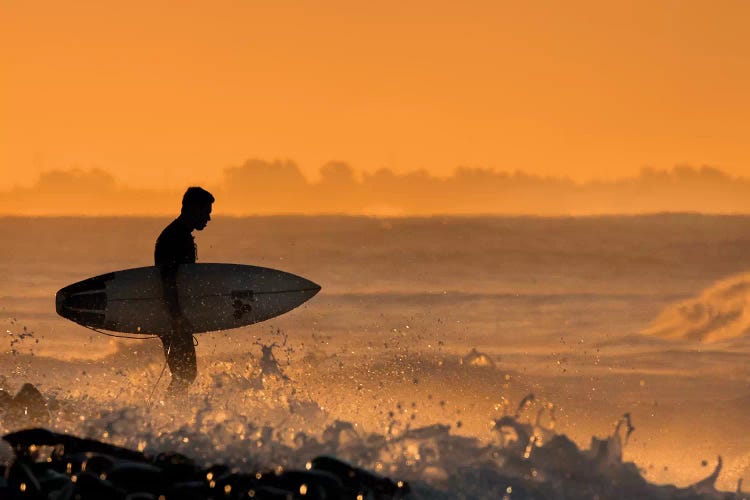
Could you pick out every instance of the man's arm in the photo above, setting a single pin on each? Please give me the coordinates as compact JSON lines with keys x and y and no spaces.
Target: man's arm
{"x":180,"y":323}
{"x":165,"y":258}
{"x":169,"y":288}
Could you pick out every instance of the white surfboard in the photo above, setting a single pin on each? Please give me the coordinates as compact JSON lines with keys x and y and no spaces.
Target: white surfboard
{"x":212,"y":297}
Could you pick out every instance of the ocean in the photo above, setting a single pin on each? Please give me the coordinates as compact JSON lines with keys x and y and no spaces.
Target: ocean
{"x":427,"y":333}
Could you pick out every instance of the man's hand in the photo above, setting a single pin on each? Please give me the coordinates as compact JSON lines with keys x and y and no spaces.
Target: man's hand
{"x":180,"y":324}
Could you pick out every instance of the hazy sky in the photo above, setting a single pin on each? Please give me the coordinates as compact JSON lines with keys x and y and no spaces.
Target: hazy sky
{"x":164,"y":93}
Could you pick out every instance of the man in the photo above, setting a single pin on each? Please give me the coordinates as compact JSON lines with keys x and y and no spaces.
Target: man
{"x":175,"y":246}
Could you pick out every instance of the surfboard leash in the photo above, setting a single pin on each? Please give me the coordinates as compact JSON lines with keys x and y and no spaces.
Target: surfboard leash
{"x":150,"y":400}
{"x":133,"y":337}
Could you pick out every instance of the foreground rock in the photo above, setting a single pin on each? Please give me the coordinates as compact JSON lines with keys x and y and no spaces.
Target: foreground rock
{"x":62,"y":467}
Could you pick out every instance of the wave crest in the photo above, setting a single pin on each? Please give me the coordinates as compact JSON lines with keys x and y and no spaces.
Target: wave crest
{"x":720,"y":312}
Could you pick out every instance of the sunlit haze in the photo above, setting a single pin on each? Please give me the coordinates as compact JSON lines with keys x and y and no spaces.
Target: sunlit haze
{"x":166,"y":96}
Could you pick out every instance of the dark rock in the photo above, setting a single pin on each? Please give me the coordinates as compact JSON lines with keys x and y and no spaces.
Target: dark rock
{"x":28,"y":407}
{"x":23,"y":440}
{"x":89,"y":485}
{"x":97,"y":463}
{"x":51,"y":480}
{"x":358,"y":481}
{"x":138,"y":477}
{"x":177,"y":468}
{"x":191,"y":490}
{"x":21,"y":479}
{"x":271,"y":493}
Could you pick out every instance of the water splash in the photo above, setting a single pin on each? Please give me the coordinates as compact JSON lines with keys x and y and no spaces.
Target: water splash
{"x":525,"y":458}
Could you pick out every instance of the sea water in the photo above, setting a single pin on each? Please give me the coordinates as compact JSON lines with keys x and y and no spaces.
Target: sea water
{"x":427,"y":333}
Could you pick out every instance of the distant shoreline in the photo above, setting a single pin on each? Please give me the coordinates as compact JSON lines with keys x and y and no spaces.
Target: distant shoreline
{"x":645,"y":215}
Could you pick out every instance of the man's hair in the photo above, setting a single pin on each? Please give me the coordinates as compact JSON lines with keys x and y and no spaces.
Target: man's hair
{"x":196,"y":196}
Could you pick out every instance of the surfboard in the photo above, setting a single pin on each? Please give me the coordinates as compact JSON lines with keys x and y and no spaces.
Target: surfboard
{"x":212,"y":297}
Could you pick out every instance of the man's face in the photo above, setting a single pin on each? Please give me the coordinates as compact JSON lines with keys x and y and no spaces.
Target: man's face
{"x":201,"y":216}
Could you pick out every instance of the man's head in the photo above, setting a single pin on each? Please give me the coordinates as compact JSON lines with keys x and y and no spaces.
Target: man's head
{"x":196,"y":207}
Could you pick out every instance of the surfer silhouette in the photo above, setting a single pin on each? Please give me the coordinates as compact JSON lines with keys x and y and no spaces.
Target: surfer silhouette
{"x":176,"y":246}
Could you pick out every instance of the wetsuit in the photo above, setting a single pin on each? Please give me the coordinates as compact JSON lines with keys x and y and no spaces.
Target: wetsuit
{"x":175,"y":246}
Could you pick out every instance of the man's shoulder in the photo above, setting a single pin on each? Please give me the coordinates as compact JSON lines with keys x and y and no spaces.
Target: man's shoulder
{"x":174,"y":230}
{"x":175,"y":245}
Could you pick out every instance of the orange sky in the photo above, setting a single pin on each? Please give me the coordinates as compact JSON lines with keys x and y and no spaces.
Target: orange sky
{"x":170,"y":94}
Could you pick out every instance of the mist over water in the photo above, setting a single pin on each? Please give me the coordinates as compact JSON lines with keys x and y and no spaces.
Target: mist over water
{"x":420,"y":323}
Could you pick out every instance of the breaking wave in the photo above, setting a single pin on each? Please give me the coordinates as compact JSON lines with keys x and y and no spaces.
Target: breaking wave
{"x":288,"y":434}
{"x":721,"y":312}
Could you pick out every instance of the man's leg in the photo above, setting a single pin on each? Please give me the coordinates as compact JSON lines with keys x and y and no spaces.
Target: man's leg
{"x":180,"y":353}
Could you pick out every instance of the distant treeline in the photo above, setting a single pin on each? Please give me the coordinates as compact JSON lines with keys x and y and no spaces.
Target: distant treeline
{"x":278,"y":187}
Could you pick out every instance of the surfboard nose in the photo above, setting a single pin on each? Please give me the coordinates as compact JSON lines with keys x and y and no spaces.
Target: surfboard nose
{"x":314,"y":288}
{"x":309,"y":288}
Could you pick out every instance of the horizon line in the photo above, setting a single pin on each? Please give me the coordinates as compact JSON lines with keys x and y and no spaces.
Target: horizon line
{"x":509,"y":215}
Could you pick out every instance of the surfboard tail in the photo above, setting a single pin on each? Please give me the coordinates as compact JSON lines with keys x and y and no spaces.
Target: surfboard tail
{"x":84,"y":302}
